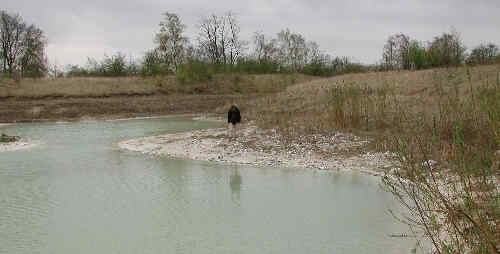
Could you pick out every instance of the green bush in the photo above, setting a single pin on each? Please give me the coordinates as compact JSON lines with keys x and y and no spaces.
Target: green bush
{"x":251,"y":66}
{"x":419,"y":57}
{"x":318,"y":69}
{"x":76,"y":71}
{"x":194,"y":72}
{"x":153,"y":64}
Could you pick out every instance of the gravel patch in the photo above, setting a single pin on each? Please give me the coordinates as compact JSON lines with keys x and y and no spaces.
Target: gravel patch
{"x":265,"y":148}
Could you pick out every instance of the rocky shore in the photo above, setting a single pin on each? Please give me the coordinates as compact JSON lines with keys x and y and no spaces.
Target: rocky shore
{"x":13,"y":143}
{"x":16,"y":145}
{"x":265,"y":148}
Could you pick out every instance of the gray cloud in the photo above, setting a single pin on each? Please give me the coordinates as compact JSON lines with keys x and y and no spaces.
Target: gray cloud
{"x":356,"y":28}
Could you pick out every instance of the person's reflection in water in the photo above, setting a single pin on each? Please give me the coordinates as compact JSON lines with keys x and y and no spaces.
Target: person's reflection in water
{"x":235,"y":185}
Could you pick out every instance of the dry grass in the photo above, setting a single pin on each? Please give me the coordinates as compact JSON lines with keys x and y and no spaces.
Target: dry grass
{"x":75,"y":87}
{"x":233,"y":83}
{"x":308,"y":106}
{"x":105,"y":87}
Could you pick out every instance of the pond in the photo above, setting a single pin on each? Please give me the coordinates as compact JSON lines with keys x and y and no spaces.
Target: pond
{"x":78,"y":192}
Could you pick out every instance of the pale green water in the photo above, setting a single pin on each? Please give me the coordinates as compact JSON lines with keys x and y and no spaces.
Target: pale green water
{"x":77,"y":193}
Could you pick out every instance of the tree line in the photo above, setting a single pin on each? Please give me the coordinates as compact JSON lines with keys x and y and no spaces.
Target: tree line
{"x":403,"y":53}
{"x":219,"y":48}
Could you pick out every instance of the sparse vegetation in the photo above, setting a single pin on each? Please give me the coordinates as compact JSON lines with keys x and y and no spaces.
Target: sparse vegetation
{"x":443,"y":126}
{"x":4,"y":138}
{"x":107,"y":86}
{"x":110,"y":66}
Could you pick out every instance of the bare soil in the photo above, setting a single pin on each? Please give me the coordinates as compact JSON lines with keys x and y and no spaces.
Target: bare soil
{"x":26,"y":109}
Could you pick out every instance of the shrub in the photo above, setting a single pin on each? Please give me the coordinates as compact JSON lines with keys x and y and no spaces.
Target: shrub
{"x":251,"y":66}
{"x":318,"y":68}
{"x":194,"y":72}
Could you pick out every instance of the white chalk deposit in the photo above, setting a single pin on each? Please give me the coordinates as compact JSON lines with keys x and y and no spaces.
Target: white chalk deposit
{"x":253,"y":146}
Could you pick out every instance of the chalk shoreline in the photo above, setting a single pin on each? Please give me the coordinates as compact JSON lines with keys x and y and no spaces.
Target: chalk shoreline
{"x":18,"y":145}
{"x":264,"y":148}
{"x":22,"y":144}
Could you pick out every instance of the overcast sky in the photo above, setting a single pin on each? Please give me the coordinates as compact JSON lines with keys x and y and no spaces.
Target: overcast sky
{"x":357,"y":28}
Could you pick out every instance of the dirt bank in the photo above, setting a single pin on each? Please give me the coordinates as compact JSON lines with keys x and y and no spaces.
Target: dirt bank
{"x":257,"y":147}
{"x":27,"y":109}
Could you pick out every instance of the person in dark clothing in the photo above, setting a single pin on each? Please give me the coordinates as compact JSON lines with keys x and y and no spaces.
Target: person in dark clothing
{"x":233,"y":117}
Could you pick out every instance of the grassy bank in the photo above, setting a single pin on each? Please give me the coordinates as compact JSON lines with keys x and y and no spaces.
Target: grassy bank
{"x":84,"y":98}
{"x":106,"y":87}
{"x":366,"y":102}
{"x":442,"y":124}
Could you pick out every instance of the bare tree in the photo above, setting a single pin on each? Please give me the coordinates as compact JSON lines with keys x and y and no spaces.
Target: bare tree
{"x":22,"y":46}
{"x":314,"y":54}
{"x":219,"y":38}
{"x":54,"y":70}
{"x":33,"y":61}
{"x":298,"y":51}
{"x":447,"y":49}
{"x":389,"y":54}
{"x":208,"y":38}
{"x":292,"y":49}
{"x":11,"y":30}
{"x":403,"y":46}
{"x":483,"y":54}
{"x":236,"y":46}
{"x":284,"y":47}
{"x":265,"y":48}
{"x":171,"y":41}
{"x":396,"y":53}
